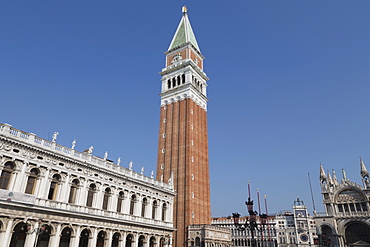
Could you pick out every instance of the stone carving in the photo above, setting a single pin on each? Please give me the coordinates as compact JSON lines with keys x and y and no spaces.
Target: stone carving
{"x":91,"y":149}
{"x":73,"y":144}
{"x":55,"y":135}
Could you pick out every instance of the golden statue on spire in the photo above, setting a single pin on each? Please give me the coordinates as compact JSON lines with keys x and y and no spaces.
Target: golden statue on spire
{"x":184,"y":9}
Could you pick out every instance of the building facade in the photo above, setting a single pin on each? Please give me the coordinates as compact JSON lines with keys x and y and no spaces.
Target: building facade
{"x":346,"y":220}
{"x":183,"y":134}
{"x":296,"y":228}
{"x":51,"y":195}
{"x":265,"y":236}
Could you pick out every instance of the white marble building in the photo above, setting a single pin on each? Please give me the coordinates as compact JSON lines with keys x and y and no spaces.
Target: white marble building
{"x":51,"y":195}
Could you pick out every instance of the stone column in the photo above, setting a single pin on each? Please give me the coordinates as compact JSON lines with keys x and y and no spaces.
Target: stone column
{"x":108,"y":242}
{"x":20,"y":183}
{"x":146,"y":244}
{"x":122,"y":242}
{"x":55,"y":239}
{"x":82,"y":193}
{"x":93,"y":239}
{"x":97,"y":203}
{"x":76,"y":239}
{"x":135,"y":241}
{"x":113,"y":201}
{"x":14,"y":177}
{"x":31,"y":238}
{"x":6,"y":236}
{"x":125,"y":209}
{"x":65,"y":190}
{"x":44,"y":188}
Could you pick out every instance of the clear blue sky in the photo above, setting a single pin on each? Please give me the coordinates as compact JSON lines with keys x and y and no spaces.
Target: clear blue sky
{"x":289,"y":85}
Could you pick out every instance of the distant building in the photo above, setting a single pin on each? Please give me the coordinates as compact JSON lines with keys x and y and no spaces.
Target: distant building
{"x":82,"y":200}
{"x":346,"y":221}
{"x":288,"y":229}
{"x":295,"y":228}
{"x":265,"y":236}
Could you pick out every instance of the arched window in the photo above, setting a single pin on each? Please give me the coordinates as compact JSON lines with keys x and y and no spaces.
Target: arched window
{"x":101,"y":239}
{"x":44,"y":236}
{"x":169,"y":84}
{"x":107,"y":193}
{"x":132,"y":204}
{"x":141,"y":241}
{"x":183,"y":78}
{"x":119,"y":201}
{"x":129,"y":239}
{"x":31,"y":181}
{"x":197,"y":241}
{"x":65,"y":237}
{"x":164,"y":211}
{"x":174,"y":82}
{"x":54,"y":187}
{"x":19,"y":234}
{"x":90,"y":195}
{"x":154,"y":209}
{"x":152,"y":242}
{"x":73,"y":191}
{"x":357,"y":231}
{"x":6,"y":173}
{"x":178,"y":81}
{"x":143,"y":207}
{"x":84,"y":238}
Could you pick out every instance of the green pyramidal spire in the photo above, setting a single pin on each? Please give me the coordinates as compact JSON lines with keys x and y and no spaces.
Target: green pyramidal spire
{"x":184,"y":33}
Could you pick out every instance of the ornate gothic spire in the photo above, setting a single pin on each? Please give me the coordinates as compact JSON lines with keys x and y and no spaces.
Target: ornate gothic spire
{"x":364,"y":171}
{"x":322,"y":172}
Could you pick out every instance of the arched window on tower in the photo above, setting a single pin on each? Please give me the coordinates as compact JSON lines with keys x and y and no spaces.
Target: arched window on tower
{"x":106,"y":197}
{"x":53,"y":190}
{"x":183,"y":78}
{"x":31,"y":181}
{"x":169,"y":83}
{"x":6,"y":174}
{"x":178,"y":81}
{"x":90,"y":195}
{"x":119,"y":201}
{"x":73,"y":191}
{"x":174,"y":82}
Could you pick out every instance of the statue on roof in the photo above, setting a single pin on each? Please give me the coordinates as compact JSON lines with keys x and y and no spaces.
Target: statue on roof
{"x":55,"y":135}
{"x":119,"y":161}
{"x":91,"y":148}
{"x":73,"y":144}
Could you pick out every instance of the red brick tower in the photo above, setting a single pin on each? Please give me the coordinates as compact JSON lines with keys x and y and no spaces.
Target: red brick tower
{"x":183,"y":140}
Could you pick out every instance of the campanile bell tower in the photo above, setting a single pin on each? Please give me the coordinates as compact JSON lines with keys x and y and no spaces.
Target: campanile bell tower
{"x":183,"y":133}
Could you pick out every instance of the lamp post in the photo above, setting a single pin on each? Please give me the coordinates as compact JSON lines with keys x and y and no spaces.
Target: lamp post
{"x":38,"y":231}
{"x":252,"y":224}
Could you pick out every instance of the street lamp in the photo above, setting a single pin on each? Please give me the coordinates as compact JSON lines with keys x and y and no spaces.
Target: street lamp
{"x":251,"y":224}
{"x":38,"y":231}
